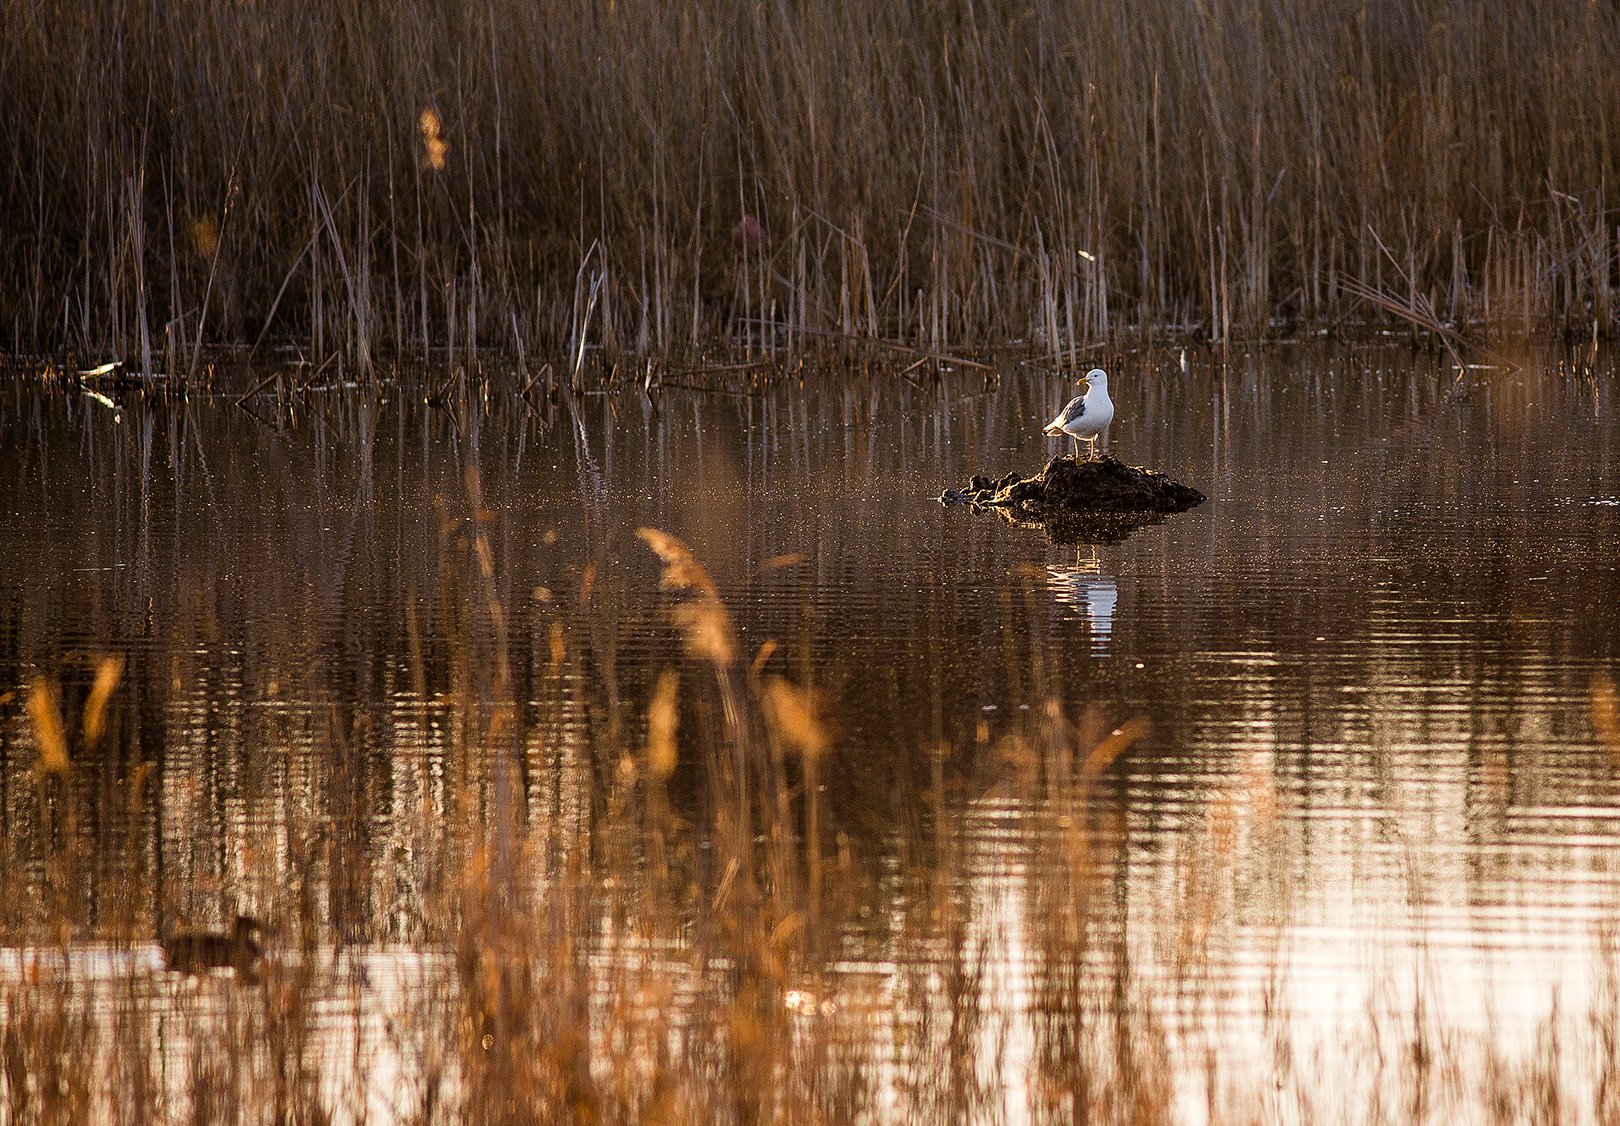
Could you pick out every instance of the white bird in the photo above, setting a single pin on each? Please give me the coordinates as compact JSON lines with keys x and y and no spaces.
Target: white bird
{"x":1086,"y":415}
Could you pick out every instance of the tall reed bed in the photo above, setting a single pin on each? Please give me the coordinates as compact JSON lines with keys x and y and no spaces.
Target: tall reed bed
{"x":639,"y":179}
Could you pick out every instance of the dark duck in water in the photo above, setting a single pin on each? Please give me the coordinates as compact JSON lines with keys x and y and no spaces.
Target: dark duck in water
{"x":198,"y":952}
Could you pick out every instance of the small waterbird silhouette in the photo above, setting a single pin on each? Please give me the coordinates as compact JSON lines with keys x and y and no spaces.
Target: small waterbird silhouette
{"x":201,"y":951}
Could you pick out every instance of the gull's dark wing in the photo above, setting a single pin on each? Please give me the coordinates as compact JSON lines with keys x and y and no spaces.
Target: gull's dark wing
{"x":1072,"y":410}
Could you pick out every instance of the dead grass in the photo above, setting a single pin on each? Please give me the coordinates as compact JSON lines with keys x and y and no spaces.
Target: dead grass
{"x":610,"y":183}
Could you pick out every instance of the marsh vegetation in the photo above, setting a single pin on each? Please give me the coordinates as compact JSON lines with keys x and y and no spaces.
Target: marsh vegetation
{"x":645,"y":746}
{"x":637,"y":181}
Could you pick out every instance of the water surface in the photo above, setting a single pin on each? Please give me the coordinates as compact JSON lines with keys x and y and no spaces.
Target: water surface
{"x":1367,"y":791}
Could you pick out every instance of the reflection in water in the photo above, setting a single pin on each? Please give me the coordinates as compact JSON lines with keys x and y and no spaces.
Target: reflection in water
{"x":1085,"y":591}
{"x":387,"y":672}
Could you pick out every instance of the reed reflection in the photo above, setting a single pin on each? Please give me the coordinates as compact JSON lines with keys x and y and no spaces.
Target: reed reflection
{"x":1091,"y":822}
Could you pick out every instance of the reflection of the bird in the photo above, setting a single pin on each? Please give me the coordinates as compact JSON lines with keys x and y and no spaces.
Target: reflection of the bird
{"x":1082,"y":590}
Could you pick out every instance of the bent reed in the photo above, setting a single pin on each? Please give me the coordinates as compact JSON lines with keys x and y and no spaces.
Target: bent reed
{"x":634,"y":180}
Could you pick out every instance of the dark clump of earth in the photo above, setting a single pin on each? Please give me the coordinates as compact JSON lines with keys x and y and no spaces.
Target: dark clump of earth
{"x":1097,"y":499}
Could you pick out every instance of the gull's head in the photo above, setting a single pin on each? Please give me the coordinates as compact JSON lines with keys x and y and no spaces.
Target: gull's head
{"x":1096,"y":376}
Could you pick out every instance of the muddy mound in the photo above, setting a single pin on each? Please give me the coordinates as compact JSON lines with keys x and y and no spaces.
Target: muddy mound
{"x":1099,"y":498}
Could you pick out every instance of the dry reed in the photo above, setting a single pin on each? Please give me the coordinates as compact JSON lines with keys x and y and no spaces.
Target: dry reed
{"x":639,"y":956}
{"x":603,"y":182}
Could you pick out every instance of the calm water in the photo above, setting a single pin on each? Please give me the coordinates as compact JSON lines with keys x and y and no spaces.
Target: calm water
{"x":1368,"y":662}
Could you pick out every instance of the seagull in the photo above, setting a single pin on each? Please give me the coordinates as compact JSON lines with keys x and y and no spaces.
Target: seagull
{"x":1086,"y":415}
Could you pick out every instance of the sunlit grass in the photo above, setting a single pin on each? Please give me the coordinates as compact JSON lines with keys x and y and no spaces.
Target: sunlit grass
{"x":648,"y":958}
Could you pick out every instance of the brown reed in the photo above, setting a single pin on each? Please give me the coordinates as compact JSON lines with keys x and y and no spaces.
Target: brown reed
{"x":600,"y":182}
{"x":597,"y":968}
